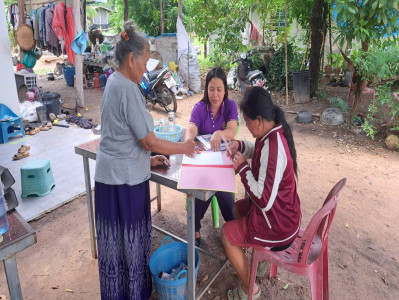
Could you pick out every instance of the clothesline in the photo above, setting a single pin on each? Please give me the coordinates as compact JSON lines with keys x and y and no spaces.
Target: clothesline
{"x":40,"y":3}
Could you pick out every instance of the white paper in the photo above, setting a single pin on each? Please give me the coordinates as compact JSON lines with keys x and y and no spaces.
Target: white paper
{"x":206,"y":142}
{"x":204,"y":158}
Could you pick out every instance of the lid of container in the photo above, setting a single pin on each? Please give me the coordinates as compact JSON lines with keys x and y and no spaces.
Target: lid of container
{"x":46,"y":96}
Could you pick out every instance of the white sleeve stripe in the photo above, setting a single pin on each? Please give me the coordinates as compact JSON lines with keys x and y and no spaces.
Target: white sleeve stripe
{"x":249,"y":149}
{"x":280,"y":168}
{"x":257,"y":187}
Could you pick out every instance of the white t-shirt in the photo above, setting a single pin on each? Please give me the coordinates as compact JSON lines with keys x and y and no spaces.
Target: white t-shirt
{"x":121,"y":159}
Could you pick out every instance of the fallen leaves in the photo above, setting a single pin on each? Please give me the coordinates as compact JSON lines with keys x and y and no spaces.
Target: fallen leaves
{"x":286,"y":286}
{"x":204,"y":279}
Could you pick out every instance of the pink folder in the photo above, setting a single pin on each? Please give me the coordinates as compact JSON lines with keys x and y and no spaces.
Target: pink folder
{"x":209,"y":177}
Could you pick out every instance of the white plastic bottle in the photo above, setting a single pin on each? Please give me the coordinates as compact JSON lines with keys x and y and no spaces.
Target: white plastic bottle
{"x":172,"y":122}
{"x":3,"y":211}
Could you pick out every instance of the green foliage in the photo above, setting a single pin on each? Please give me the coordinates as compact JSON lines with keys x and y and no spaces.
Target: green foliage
{"x":386,"y":107}
{"x":146,"y":14}
{"x":225,"y":21}
{"x":377,"y":63}
{"x":11,"y":34}
{"x":321,"y":94}
{"x":338,"y":102}
{"x":368,"y":128}
{"x":336,"y":59}
{"x":366,"y":21}
{"x":276,"y":74}
{"x":218,"y":59}
{"x":301,"y":10}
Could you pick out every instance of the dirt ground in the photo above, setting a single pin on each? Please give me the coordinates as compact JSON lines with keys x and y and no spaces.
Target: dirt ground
{"x":364,"y":237}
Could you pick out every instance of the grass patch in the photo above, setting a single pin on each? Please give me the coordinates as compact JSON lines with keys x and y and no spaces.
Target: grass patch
{"x":43,"y":71}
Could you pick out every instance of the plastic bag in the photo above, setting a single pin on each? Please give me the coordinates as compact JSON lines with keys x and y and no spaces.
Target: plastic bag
{"x":28,"y":110}
{"x":30,"y":58}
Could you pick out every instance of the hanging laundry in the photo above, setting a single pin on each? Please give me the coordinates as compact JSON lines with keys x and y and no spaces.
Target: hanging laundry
{"x":64,"y":32}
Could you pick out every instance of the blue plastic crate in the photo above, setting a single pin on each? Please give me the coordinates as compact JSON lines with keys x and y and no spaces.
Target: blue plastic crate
{"x":37,"y":178}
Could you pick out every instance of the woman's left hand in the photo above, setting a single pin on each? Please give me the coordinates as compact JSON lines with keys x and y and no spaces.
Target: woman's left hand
{"x":159,"y":160}
{"x":238,"y":159}
{"x":216,"y":140}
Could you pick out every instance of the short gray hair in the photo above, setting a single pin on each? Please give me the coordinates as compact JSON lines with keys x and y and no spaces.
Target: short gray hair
{"x":136,"y":43}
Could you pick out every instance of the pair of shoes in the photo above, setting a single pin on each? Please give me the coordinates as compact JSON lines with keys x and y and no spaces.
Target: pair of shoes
{"x":19,"y":156}
{"x":23,"y":148}
{"x":262,"y":269}
{"x":46,"y":127}
{"x":238,"y":294}
{"x":22,"y":152}
{"x":198,"y":242}
{"x":29,"y":130}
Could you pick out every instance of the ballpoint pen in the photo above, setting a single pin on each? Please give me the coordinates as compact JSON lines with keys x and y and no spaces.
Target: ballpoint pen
{"x":227,"y":144}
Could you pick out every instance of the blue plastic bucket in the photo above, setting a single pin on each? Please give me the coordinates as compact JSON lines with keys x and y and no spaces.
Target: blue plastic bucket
{"x":69,"y":73}
{"x":164,"y":259}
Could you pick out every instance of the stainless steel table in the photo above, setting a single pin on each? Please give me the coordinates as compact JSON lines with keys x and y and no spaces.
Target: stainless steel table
{"x":20,"y":235}
{"x":166,"y":177}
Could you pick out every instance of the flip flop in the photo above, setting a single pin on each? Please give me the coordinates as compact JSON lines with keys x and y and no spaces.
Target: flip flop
{"x":28,"y":129}
{"x":49,"y":125}
{"x":238,"y":294}
{"x":34,"y":131}
{"x":43,"y":128}
{"x":19,"y":156}
{"x":23,"y":148}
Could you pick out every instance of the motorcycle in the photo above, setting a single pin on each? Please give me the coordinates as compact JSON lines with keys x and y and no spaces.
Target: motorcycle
{"x":160,"y":87}
{"x":247,"y":77}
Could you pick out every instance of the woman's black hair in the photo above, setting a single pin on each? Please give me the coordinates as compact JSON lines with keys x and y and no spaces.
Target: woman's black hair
{"x":136,"y":42}
{"x":258,"y":102}
{"x":218,"y":73}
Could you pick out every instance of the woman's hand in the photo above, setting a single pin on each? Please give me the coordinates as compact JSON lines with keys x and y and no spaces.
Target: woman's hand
{"x":216,"y":140}
{"x":238,"y":159}
{"x":233,"y":146}
{"x":189,"y":148}
{"x":159,"y":160}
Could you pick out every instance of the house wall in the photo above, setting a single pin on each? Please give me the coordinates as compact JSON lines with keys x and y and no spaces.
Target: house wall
{"x":8,"y":87}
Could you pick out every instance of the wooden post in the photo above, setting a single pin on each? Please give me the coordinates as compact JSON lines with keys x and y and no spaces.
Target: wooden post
{"x":78,"y":58}
{"x":162,"y":16}
{"x":286,"y":55}
{"x":84,"y":15}
{"x":21,"y":8}
{"x":180,"y":9}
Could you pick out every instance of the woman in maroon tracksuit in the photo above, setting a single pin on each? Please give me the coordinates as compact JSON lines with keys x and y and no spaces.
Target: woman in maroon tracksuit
{"x":271,"y":216}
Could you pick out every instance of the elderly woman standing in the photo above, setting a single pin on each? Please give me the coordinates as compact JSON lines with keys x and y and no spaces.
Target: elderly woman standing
{"x":122,"y":196}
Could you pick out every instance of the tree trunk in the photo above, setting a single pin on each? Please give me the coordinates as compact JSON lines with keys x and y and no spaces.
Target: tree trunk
{"x":317,"y":23}
{"x":162,"y":16}
{"x":206,"y":47}
{"x":180,"y":9}
{"x":126,"y":10}
{"x":358,"y":81}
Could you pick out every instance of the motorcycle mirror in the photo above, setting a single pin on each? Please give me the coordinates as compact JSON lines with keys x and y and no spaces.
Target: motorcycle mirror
{"x":243,"y":56}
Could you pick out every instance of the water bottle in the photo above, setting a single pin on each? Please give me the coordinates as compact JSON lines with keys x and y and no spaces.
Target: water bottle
{"x":172,"y":122}
{"x":3,"y":211}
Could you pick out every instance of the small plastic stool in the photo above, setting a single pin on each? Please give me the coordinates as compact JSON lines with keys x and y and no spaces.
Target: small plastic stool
{"x":37,"y":178}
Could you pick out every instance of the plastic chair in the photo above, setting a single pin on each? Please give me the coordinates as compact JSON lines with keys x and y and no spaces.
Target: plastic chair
{"x":10,"y":124}
{"x":352,"y":88}
{"x":308,"y":254}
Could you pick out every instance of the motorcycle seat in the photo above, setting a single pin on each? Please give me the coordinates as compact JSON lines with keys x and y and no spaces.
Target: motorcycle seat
{"x":154,"y":74}
{"x":253,"y":74}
